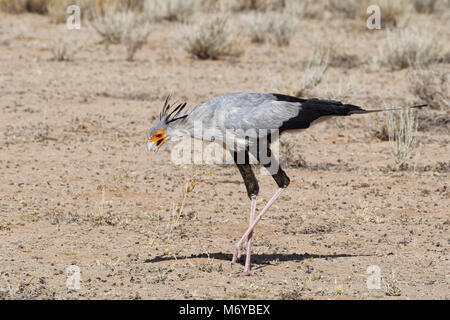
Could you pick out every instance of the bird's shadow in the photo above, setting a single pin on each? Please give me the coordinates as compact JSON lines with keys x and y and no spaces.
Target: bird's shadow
{"x":261,"y":259}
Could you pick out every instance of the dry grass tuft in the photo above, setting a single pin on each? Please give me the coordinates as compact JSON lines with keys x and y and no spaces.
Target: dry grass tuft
{"x":393,"y":13}
{"x":426,"y":6}
{"x":57,"y":9}
{"x":19,"y":6}
{"x":380,"y":129}
{"x":259,"y":5}
{"x":346,"y":9}
{"x":127,"y":27}
{"x":307,"y":9}
{"x":401,"y":129}
{"x":210,"y":40}
{"x":61,"y":51}
{"x":311,"y":79}
{"x":431,"y":87}
{"x":408,"y":48}
{"x":290,"y":154}
{"x":112,"y":24}
{"x":170,"y":10}
{"x":134,"y":39}
{"x":322,"y":54}
{"x":277,"y":29}
{"x":313,"y":73}
{"x":392,"y":288}
{"x":345,"y":91}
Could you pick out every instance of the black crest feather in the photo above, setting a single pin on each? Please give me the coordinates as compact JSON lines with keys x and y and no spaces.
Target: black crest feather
{"x":172,"y":113}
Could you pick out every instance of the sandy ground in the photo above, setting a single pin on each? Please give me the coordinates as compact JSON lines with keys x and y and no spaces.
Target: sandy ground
{"x":77,"y":186}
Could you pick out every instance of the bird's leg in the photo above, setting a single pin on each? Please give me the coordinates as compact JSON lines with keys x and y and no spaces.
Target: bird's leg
{"x":250,"y":235}
{"x":252,"y":226}
{"x":251,"y":184}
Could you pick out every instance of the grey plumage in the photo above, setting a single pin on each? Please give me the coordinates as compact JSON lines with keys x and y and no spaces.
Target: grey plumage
{"x":244,"y":115}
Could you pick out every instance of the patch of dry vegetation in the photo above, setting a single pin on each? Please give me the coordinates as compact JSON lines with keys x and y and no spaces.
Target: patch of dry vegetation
{"x":346,"y":9}
{"x":305,"y":9}
{"x":408,"y":47}
{"x":61,"y":51}
{"x":308,"y":9}
{"x":19,"y":6}
{"x":426,"y":6}
{"x":211,"y":39}
{"x":127,"y":27}
{"x":393,"y":13}
{"x":277,"y":29}
{"x":57,"y":8}
{"x":260,"y":5}
{"x":401,"y":129}
{"x":431,"y":87}
{"x":290,"y":153}
{"x":345,"y":91}
{"x":328,"y":51}
{"x":170,"y":10}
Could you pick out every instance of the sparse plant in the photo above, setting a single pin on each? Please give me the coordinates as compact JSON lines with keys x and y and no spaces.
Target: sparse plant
{"x":311,"y":79}
{"x":259,"y":5}
{"x":61,"y":51}
{"x":291,"y":157}
{"x":57,"y":9}
{"x":307,"y":9}
{"x":425,"y":6}
{"x":393,"y":13}
{"x":19,"y":6}
{"x":392,"y":288}
{"x":123,"y":26}
{"x":401,"y":128}
{"x":134,"y":39}
{"x":103,"y":7}
{"x":177,"y":210}
{"x":170,"y":10}
{"x":408,"y":48}
{"x":322,"y":53}
{"x":256,"y":26}
{"x":315,"y":69}
{"x":210,"y":40}
{"x":104,"y":216}
{"x":380,"y":129}
{"x":345,"y":91}
{"x":277,"y":29}
{"x":281,"y":30}
{"x":431,"y":87}
{"x":346,"y":9}
{"x":115,"y":23}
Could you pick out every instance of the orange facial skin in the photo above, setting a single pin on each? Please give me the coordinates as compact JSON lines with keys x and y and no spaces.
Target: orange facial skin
{"x":158,"y":138}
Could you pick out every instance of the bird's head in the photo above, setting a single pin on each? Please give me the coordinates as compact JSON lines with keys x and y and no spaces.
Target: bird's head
{"x":163,"y":130}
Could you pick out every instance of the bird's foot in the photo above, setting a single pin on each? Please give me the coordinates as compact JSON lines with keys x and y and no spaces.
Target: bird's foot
{"x":243,"y":274}
{"x":237,"y":253}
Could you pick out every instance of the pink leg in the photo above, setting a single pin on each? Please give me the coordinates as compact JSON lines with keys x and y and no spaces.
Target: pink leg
{"x":250,"y":236}
{"x":250,"y":221}
{"x":237,"y":249}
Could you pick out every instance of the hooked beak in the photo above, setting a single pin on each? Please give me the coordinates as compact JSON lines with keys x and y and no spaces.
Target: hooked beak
{"x":155,"y":144}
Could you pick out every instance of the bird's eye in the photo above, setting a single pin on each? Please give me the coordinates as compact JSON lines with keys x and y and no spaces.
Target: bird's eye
{"x":158,"y":135}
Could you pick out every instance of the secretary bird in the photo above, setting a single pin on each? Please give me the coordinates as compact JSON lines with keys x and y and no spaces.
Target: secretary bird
{"x":240,"y":113}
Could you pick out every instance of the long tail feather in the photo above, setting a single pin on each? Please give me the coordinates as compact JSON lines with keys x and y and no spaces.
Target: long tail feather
{"x":362,"y":111}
